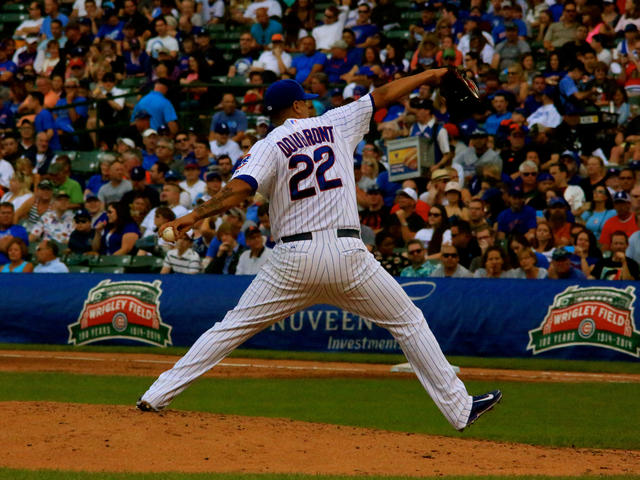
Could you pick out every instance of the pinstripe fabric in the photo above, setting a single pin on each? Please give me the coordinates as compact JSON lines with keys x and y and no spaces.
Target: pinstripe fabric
{"x":326,"y":269}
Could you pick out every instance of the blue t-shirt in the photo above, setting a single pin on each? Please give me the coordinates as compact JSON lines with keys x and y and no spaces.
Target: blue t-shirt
{"x":8,"y":66}
{"x":215,"y":245}
{"x":45,"y":28}
{"x":63,"y":120}
{"x":114,"y":33}
{"x":335,"y":67}
{"x":567,"y":88}
{"x":17,"y":231}
{"x":43,"y":122}
{"x":363,"y":32}
{"x":237,"y":121}
{"x":95,"y":182}
{"x":492,"y":123}
{"x":303,"y":64}
{"x":388,"y":188}
{"x":6,"y":116}
{"x":263,"y":35}
{"x":148,"y":160}
{"x":111,"y":243}
{"x":160,"y":109}
{"x":141,"y":65}
{"x":517,"y":222}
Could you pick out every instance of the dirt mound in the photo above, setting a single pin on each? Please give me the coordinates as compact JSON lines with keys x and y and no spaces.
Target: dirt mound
{"x":121,"y":439}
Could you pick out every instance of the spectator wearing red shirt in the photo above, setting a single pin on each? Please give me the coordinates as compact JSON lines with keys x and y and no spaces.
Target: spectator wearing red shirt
{"x":624,"y":221}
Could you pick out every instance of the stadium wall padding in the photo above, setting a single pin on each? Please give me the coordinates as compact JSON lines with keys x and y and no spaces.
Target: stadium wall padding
{"x":475,"y":317}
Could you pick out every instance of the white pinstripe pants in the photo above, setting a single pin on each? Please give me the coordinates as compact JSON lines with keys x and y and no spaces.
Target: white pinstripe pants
{"x":336,"y":271}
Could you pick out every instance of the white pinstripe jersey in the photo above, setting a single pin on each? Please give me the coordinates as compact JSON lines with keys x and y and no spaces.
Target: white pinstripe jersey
{"x":305,"y":168}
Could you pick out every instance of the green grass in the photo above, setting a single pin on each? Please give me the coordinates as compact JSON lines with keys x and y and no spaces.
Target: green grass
{"x":479,"y":362}
{"x":10,"y":474}
{"x":593,"y":415}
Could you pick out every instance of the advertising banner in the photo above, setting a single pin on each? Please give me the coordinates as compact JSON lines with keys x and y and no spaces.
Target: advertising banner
{"x":475,"y":317}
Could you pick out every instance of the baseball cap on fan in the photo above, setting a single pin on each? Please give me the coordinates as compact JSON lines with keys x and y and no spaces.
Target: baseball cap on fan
{"x":282,"y":94}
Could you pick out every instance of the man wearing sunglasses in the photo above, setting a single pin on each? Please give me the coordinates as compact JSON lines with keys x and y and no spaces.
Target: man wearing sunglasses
{"x":450,"y":264}
{"x":419,"y":267}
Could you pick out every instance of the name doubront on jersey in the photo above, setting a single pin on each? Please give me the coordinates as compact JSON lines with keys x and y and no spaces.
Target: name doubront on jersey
{"x":306,"y":138}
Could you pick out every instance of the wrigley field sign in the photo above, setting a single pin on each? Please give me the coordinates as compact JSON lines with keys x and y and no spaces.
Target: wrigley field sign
{"x":121,"y":310}
{"x":596,"y":316}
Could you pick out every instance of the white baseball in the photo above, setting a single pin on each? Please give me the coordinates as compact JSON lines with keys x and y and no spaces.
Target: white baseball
{"x":168,"y":235}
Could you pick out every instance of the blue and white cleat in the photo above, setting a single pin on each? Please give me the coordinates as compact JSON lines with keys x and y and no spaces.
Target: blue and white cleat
{"x":482,"y":404}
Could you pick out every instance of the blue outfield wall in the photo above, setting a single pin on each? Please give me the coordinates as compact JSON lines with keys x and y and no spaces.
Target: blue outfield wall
{"x":476,"y":317}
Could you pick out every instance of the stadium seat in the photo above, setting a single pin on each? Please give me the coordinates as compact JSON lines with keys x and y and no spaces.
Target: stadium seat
{"x":110,"y":261}
{"x":86,"y":163}
{"x":15,"y":7}
{"x":397,"y":34}
{"x":77,"y":259}
{"x":79,"y":269}
{"x":107,"y":269}
{"x":145,"y":264}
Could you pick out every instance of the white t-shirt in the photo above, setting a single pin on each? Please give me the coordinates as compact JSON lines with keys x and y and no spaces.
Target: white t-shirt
{"x":16,"y":201}
{"x":248,"y":265}
{"x":268,"y":61}
{"x":79,"y":6}
{"x":156,"y":43}
{"x":426,"y":234}
{"x":194,"y":190}
{"x":304,"y":167}
{"x":230,"y":148}
{"x":6,"y":172}
{"x":148,"y":226}
{"x":327,"y":35}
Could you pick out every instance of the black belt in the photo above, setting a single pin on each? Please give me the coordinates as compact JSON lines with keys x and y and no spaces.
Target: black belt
{"x":342,"y":232}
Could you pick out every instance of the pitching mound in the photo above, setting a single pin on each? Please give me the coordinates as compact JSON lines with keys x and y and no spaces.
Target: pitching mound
{"x":121,"y":439}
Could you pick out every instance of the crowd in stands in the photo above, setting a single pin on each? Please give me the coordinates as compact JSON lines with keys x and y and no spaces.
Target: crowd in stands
{"x":540,"y":181}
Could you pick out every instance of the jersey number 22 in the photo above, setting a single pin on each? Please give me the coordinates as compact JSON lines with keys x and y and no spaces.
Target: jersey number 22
{"x":322,"y":153}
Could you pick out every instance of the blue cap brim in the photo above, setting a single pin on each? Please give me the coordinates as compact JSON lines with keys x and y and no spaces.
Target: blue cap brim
{"x":310,"y":96}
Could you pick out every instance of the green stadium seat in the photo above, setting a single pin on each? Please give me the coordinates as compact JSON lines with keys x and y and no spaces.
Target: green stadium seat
{"x":79,"y":269}
{"x":110,"y":261}
{"x":86,"y":163}
{"x":397,"y":34}
{"x":410,"y":15}
{"x":145,"y":264}
{"x":107,"y":269}
{"x":77,"y":259}
{"x":15,"y":7}
{"x":13,"y":17}
{"x":215,"y":27}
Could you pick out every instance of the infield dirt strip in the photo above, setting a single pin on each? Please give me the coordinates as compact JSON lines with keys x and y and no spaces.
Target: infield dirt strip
{"x":64,"y":436}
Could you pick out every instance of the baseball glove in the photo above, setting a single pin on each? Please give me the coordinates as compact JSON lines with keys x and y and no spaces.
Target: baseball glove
{"x":461,"y":94}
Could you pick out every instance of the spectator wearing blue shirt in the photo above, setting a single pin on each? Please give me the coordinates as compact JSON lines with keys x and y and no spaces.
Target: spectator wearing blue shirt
{"x":52,"y":9}
{"x":311,"y":61}
{"x":48,"y":262}
{"x":7,"y":68}
{"x":112,"y":27}
{"x":561,"y":267}
{"x":364,"y":30}
{"x":44,"y":121}
{"x":338,"y":65}
{"x":98,"y":180}
{"x":157,"y":105}
{"x":68,"y":119}
{"x":500,"y":106}
{"x":235,"y":119}
{"x":568,"y":87}
{"x":6,"y":113}
{"x":8,"y":230}
{"x":265,"y":27}
{"x":137,"y":62}
{"x":518,"y":218}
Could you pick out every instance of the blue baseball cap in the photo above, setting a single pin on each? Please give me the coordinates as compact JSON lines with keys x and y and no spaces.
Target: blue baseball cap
{"x":283,"y":93}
